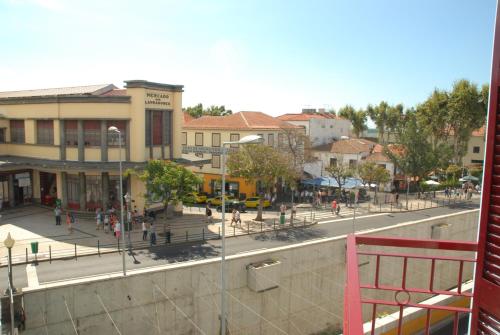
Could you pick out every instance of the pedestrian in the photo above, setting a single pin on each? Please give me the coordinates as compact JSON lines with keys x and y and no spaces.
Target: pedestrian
{"x":273,"y":200}
{"x":106,"y":222}
{"x":233,"y":216}
{"x":144,"y":230}
{"x":152,"y":233}
{"x":237,"y":217}
{"x":397,"y":198}
{"x":334,"y":206}
{"x":98,"y":216}
{"x":118,"y":229}
{"x":294,"y":212}
{"x":208,"y":214}
{"x":57,"y":213}
{"x":69,"y":222}
{"x":282,"y":213}
{"x":338,"y":208}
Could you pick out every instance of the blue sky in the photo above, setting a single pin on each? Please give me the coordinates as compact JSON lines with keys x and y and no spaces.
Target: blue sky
{"x":273,"y":56}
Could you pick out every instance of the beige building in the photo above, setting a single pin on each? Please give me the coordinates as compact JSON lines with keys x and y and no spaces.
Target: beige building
{"x":475,"y":148}
{"x":55,"y":143}
{"x":212,"y":131}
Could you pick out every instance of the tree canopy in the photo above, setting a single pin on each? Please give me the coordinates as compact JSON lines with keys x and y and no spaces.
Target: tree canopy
{"x":198,"y":111}
{"x":372,"y":173}
{"x":357,"y":117}
{"x":340,"y":172}
{"x":263,"y":164}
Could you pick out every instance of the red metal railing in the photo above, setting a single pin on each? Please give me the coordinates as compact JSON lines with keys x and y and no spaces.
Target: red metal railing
{"x":353,"y":300}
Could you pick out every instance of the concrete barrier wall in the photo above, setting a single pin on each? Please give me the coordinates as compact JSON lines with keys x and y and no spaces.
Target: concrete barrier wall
{"x":184,"y":298}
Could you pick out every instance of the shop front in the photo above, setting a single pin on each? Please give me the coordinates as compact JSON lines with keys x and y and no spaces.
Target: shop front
{"x":16,"y":188}
{"x":237,"y":187}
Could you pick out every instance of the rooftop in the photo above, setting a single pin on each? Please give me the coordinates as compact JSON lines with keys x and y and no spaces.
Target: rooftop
{"x":239,"y":121}
{"x":306,"y":117}
{"x":61,"y":91}
{"x":347,"y":146}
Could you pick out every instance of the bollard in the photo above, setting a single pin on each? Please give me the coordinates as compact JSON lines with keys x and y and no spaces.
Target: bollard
{"x":274,"y":224}
{"x":187,"y":236}
{"x":261,"y":226}
{"x":219,"y":233}
{"x":98,"y":248}
{"x":248,"y":227}
{"x":391,"y":207}
{"x":203,"y":234}
{"x":76,"y":256}
{"x":26,"y":255}
{"x":304,"y":221}
{"x":380,"y":207}
{"x":50,"y":254}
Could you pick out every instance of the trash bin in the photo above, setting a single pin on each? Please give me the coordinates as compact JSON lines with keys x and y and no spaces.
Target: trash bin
{"x":34,"y":247}
{"x":282,"y":219}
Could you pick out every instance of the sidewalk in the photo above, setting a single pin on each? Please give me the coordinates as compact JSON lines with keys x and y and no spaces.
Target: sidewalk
{"x":37,"y":224}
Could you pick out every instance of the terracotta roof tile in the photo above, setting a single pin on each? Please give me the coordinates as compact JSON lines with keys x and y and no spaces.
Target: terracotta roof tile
{"x":347,"y":146}
{"x":187,"y":117}
{"x":377,"y":157}
{"x":479,"y":132}
{"x":116,"y":92}
{"x":239,"y":121}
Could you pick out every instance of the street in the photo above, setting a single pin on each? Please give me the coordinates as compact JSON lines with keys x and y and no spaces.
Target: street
{"x":109,"y":263}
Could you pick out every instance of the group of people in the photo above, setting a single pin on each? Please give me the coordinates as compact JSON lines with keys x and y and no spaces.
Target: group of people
{"x":108,"y":220}
{"x":70,"y":218}
{"x":466,"y":190}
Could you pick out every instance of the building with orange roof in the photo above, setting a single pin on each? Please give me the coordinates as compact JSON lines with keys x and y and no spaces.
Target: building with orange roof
{"x":321,"y":128}
{"x":474,"y":155}
{"x":212,"y":131}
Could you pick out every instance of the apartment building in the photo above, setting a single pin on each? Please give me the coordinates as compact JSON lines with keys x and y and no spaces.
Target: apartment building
{"x":320,"y":128}
{"x":212,"y":131}
{"x":55,"y":143}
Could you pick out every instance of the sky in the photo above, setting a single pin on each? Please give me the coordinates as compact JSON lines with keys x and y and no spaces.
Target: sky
{"x":274,"y":56}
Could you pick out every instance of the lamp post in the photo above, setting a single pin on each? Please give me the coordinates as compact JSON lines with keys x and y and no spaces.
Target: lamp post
{"x":250,"y":139}
{"x":122,"y":223}
{"x":9,"y":243}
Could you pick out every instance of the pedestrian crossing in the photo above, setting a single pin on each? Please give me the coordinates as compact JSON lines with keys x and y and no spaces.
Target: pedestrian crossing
{"x":320,"y":215}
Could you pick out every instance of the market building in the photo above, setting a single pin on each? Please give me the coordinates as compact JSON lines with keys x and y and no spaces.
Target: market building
{"x":55,"y":143}
{"x":212,"y":131}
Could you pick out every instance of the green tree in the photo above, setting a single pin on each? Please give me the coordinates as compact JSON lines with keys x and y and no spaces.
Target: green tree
{"x":433,"y":115}
{"x":379,"y":115}
{"x":394,"y":116}
{"x":260,"y":163}
{"x":340,"y":172}
{"x":417,"y":157}
{"x":466,"y":112}
{"x":198,"y":111}
{"x":358,"y":118}
{"x":168,"y":182}
{"x":372,"y":173}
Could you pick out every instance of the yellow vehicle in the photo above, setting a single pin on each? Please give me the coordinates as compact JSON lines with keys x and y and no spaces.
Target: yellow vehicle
{"x":216,"y":201}
{"x":254,"y":202}
{"x":200,"y":197}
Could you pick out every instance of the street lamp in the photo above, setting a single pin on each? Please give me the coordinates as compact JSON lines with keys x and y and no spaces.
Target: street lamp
{"x":122,"y":224}
{"x":9,"y":243}
{"x":250,"y":139}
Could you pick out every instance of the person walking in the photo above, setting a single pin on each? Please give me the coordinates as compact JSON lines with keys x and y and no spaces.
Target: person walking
{"x":144,"y":230}
{"x":338,"y":209}
{"x":233,"y":216}
{"x":294,"y":212}
{"x":334,"y":206}
{"x":237,"y":217}
{"x":98,"y":218}
{"x":69,"y":222}
{"x":118,"y":229}
{"x":208,"y":214}
{"x":57,"y":214}
{"x":106,"y":222}
{"x":282,"y":214}
{"x":152,"y":233}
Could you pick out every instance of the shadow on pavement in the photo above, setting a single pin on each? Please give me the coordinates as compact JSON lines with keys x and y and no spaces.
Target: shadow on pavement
{"x":178,"y":253}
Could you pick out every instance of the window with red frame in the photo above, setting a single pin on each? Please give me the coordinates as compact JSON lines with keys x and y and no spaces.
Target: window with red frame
{"x":92,"y":133}
{"x":17,"y":131}
{"x":45,"y":132}
{"x":113,"y":140}
{"x":71,"y":132}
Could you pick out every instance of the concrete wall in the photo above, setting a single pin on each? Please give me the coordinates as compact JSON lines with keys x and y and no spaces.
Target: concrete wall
{"x":172,"y":299}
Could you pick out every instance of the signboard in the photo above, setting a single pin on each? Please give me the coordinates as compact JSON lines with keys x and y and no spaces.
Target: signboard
{"x":157,"y":99}
{"x":204,"y":150}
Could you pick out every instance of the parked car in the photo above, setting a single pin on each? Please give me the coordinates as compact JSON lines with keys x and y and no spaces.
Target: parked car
{"x":233,"y":204}
{"x":253,"y":202}
{"x":216,"y":201}
{"x":200,"y":197}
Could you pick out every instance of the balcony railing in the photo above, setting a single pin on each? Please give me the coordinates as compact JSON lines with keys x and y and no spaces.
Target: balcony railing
{"x":358,"y":294}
